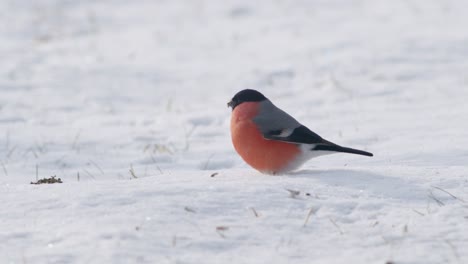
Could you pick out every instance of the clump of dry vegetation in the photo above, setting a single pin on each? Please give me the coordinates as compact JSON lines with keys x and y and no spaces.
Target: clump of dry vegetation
{"x":50,"y":180}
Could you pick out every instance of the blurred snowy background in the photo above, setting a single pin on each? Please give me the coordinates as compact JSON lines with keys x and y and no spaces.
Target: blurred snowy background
{"x":131,"y":96}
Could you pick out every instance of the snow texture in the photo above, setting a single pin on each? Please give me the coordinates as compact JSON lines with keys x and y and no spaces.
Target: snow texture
{"x":125,"y":101}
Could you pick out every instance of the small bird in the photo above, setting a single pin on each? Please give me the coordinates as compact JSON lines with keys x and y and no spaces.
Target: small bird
{"x":270,"y":140}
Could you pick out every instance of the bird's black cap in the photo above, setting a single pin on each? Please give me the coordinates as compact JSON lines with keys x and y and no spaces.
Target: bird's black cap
{"x":247,"y":95}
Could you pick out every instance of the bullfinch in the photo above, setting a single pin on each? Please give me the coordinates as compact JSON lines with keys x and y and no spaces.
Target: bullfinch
{"x":270,"y":140}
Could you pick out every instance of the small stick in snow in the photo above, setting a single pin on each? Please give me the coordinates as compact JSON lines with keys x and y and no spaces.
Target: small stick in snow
{"x":214,"y":174}
{"x":419,"y":213}
{"x":310,"y":195}
{"x":454,"y":249}
{"x":293,"y":193}
{"x":220,"y":230}
{"x":386,"y":241}
{"x":190,"y":210}
{"x":161,"y":149}
{"x":146,"y":148}
{"x":40,"y":147}
{"x":78,"y":176}
{"x":37,"y":172}
{"x":311,"y":211}
{"x":7,"y":139}
{"x":439,"y":202}
{"x":254,"y":211}
{"x":89,"y":173}
{"x":4,"y":168}
{"x":75,"y":142}
{"x":208,"y":162}
{"x":453,"y":196}
{"x":405,"y":229}
{"x":174,"y":241}
{"x":159,"y":169}
{"x":187,"y":137}
{"x":132,"y":172}
{"x":428,"y":207}
{"x":10,"y":152}
{"x":97,"y":166}
{"x":336,"y":225}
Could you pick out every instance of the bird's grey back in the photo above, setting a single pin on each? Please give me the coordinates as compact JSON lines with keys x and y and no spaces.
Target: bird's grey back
{"x":271,"y":118}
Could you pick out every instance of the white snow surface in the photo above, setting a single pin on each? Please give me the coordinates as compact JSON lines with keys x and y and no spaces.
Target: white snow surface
{"x":131,"y":96}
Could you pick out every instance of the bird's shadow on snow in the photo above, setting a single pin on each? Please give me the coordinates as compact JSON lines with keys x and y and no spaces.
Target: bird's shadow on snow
{"x":376,"y":184}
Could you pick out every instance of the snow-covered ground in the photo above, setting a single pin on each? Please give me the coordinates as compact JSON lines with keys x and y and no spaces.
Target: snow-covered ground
{"x":125,"y":101}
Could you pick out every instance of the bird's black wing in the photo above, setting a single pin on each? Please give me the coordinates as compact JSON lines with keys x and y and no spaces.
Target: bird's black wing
{"x":299,"y":135}
{"x":303,"y":135}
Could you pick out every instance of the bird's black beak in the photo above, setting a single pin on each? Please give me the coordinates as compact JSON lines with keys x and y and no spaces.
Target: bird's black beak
{"x":230,"y":104}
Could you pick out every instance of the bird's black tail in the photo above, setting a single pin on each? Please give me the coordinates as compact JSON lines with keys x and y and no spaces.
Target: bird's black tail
{"x":337,"y":148}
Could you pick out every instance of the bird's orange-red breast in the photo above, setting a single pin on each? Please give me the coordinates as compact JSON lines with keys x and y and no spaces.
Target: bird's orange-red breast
{"x":270,"y":140}
{"x":267,"y":156}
